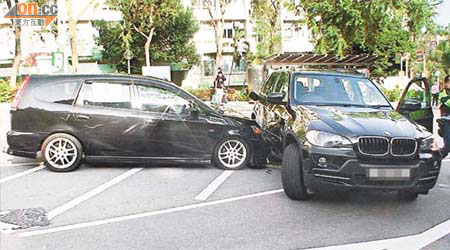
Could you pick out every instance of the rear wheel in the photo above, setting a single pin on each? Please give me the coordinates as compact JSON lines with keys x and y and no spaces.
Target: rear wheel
{"x":407,"y":195}
{"x":292,"y":174}
{"x":62,"y":152}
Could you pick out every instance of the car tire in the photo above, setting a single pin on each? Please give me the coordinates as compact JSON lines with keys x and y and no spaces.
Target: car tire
{"x":62,"y":152}
{"x":231,"y":154}
{"x":292,"y":174}
{"x":407,"y":195}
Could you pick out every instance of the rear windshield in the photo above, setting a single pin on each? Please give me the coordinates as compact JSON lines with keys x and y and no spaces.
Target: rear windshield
{"x":336,"y":90}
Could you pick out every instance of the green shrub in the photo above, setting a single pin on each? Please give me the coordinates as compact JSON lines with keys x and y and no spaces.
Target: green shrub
{"x":203,"y":94}
{"x":242,"y":96}
{"x":392,"y":95}
{"x":6,"y":93}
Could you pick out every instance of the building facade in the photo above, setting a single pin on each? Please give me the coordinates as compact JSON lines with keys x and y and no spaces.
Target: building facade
{"x":39,"y":41}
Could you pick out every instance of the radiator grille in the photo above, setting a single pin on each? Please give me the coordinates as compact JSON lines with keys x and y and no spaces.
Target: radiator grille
{"x":403,"y":146}
{"x":373,"y":145}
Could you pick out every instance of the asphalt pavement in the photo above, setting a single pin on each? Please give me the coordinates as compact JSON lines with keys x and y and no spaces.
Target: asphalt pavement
{"x":160,"y":207}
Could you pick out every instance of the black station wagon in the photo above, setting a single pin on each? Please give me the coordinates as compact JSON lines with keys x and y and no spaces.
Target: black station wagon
{"x":338,"y":131}
{"x":68,"y":119}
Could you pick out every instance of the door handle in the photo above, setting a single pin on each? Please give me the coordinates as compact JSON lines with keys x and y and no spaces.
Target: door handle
{"x":149,"y":122}
{"x":82,"y":117}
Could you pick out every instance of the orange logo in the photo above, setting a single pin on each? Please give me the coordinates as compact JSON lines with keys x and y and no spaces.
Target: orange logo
{"x":30,"y":14}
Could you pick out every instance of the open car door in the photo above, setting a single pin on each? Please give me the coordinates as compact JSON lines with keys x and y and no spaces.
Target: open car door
{"x":415,"y":102}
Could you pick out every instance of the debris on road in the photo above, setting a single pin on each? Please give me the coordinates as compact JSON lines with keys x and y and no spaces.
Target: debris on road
{"x":26,"y":218}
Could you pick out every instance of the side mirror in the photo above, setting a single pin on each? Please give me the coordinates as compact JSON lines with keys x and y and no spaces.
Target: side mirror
{"x":253,"y":96}
{"x":276,"y":98}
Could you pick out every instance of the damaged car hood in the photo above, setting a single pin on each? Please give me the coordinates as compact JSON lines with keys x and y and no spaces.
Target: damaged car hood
{"x":356,"y":121}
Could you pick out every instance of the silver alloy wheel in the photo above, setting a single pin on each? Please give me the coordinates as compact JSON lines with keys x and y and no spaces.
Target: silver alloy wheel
{"x":61,"y":153}
{"x":232,"y":153}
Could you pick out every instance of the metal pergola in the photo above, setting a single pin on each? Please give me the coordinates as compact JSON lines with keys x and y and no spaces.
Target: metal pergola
{"x":327,"y":61}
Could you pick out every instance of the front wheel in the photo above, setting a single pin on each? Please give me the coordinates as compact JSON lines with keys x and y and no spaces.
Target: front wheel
{"x":231,"y":154}
{"x":292,"y":174}
{"x":62,"y":152}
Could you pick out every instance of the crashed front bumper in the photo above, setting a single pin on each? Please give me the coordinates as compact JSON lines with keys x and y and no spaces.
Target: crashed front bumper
{"x":345,"y":171}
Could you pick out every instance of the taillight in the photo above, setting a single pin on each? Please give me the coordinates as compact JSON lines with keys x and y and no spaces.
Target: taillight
{"x":19,"y":93}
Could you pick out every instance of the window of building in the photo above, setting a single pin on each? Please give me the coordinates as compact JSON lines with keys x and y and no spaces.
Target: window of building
{"x":228,"y":33}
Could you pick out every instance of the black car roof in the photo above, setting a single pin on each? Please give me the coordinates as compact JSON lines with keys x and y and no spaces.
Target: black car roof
{"x":58,"y":77}
{"x":325,"y":73}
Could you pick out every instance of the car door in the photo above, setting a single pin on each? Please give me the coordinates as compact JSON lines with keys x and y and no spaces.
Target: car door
{"x":415,"y":102}
{"x":271,"y":115}
{"x":105,"y":119}
{"x":171,"y":131}
{"x":262,"y":105}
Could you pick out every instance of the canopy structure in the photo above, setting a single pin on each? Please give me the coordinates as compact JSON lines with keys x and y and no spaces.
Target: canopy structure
{"x":330,"y":61}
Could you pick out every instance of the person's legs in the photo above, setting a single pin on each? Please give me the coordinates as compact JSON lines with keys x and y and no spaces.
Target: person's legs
{"x":446,"y":136}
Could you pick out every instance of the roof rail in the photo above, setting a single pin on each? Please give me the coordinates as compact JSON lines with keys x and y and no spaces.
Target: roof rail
{"x":311,"y":60}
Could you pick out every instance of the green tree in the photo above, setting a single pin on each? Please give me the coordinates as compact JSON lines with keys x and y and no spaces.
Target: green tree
{"x":266,"y":14}
{"x":381,"y":27}
{"x":170,"y":42}
{"x":441,"y":57}
{"x":144,"y":16}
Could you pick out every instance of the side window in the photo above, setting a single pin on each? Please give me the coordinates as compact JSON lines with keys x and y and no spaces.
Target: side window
{"x":155,"y":99}
{"x":270,"y":83}
{"x":62,"y":93}
{"x":281,"y":86}
{"x":105,"y":94}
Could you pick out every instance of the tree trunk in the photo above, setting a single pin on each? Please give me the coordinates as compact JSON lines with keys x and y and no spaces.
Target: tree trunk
{"x":73,"y":36}
{"x":147,"y":47}
{"x":219,"y":45}
{"x":17,"y":50}
{"x":17,"y":58}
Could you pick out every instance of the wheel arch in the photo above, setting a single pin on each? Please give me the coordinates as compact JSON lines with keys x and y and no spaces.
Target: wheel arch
{"x":289,"y":138}
{"x":62,"y":132}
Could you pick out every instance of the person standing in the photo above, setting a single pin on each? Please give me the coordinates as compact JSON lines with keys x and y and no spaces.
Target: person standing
{"x":435,"y":94}
{"x":444,"y":122}
{"x":219,"y":86}
{"x":444,"y":98}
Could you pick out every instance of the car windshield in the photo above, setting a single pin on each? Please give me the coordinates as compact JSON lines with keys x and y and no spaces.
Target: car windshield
{"x":335,"y":90}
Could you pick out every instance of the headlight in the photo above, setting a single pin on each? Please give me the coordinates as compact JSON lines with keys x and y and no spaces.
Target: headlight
{"x":427,"y":143}
{"x":328,"y":140}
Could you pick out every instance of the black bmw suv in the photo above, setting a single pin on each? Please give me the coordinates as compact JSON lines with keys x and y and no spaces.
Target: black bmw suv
{"x":68,"y":119}
{"x":338,"y":131}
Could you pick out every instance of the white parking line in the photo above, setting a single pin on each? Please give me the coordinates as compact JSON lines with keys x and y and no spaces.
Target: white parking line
{"x":19,"y":164}
{"x":15,"y":176}
{"x":413,"y":242}
{"x":75,"y":202}
{"x":142,"y":215}
{"x":203,"y":196}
